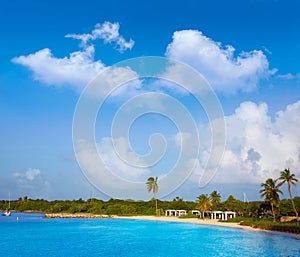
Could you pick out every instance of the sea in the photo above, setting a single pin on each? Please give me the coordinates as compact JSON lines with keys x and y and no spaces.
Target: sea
{"x":29,"y":234}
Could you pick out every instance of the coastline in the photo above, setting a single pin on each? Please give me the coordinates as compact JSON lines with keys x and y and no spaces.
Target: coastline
{"x":205,"y":222}
{"x":75,"y":216}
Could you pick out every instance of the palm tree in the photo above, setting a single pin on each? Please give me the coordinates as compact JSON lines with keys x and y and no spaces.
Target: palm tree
{"x":287,"y":177}
{"x":203,"y":203}
{"x":215,"y":198}
{"x":270,"y":192}
{"x":152,"y":186}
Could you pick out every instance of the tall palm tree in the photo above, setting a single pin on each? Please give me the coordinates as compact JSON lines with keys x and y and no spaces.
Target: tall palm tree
{"x":270,"y":192}
{"x":215,"y":198}
{"x":152,"y":186}
{"x":203,"y":203}
{"x":287,"y":177}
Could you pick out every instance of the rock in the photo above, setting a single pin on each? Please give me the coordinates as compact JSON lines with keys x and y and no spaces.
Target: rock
{"x":288,"y":218}
{"x":74,"y":216}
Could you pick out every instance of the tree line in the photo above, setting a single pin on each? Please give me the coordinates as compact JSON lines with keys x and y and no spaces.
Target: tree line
{"x":131,"y":207}
{"x":270,"y":191}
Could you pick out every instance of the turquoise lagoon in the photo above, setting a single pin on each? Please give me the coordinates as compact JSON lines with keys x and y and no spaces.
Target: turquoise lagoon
{"x":32,"y":235}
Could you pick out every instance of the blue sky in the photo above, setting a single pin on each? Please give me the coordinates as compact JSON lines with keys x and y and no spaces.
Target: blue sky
{"x":257,"y":83}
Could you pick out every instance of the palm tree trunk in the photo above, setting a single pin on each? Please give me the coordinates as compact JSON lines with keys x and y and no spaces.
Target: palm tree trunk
{"x":156,"y":207}
{"x":293,"y":204}
{"x":273,"y":212}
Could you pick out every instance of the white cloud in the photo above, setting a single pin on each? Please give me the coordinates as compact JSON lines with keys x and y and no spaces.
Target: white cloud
{"x":107,"y":31}
{"x":77,"y":69}
{"x":289,"y":76}
{"x":107,"y":172}
{"x":224,"y":71}
{"x":32,"y":182}
{"x":121,"y":160}
{"x":117,"y":157}
{"x":112,"y":80}
{"x":30,"y":174}
{"x":257,"y":146}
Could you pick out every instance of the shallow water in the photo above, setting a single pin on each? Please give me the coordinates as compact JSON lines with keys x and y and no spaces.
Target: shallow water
{"x":32,"y":235}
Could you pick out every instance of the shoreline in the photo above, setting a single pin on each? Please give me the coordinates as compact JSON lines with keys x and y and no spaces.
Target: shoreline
{"x":205,"y":222}
{"x":75,"y":216}
{"x":208,"y":222}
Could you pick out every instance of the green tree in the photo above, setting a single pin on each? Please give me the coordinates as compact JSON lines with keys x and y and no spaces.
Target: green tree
{"x":215,"y":198}
{"x":153,"y":186}
{"x":232,"y":204}
{"x":177,"y":198}
{"x":271,"y":193}
{"x":287,"y":177}
{"x":203,"y":202}
{"x":20,"y":200}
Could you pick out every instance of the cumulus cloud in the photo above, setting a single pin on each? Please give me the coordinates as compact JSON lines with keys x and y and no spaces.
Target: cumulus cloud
{"x":112,"y":79}
{"x":106,"y":171}
{"x":218,"y":64}
{"x":118,"y":157}
{"x":257,"y":146}
{"x":32,"y":182}
{"x":77,"y":69}
{"x":30,"y":174}
{"x":121,"y":160}
{"x":107,"y":31}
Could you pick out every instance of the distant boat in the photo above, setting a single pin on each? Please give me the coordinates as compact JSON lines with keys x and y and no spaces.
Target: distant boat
{"x":7,"y":212}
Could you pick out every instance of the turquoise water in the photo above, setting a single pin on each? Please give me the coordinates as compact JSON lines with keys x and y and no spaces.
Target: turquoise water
{"x":32,"y":235}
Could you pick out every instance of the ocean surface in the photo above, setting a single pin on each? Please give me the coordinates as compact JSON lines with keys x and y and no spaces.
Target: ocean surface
{"x":32,"y":235}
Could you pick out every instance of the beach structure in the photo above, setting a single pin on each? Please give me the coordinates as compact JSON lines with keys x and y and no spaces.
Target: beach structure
{"x":176,"y":213}
{"x":201,"y":214}
{"x":196,"y":212}
{"x":215,"y":215}
{"x":222,"y":215}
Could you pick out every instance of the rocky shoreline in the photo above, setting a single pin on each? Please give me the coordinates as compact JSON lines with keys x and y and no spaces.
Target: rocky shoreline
{"x":75,"y":216}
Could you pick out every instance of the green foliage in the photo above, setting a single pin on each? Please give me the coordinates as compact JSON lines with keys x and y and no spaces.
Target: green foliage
{"x":153,"y":186}
{"x":267,"y":224}
{"x":120,"y":209}
{"x":290,"y":180}
{"x":251,"y":210}
{"x":203,"y":202}
{"x":95,"y":206}
{"x":232,"y":204}
{"x":270,"y":190}
{"x":215,"y":199}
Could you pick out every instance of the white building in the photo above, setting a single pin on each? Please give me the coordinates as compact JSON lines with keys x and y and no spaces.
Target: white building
{"x":176,"y":213}
{"x":222,"y":215}
{"x":201,"y":214}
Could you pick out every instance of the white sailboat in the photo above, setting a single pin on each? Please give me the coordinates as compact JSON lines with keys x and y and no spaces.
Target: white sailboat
{"x":7,"y":212}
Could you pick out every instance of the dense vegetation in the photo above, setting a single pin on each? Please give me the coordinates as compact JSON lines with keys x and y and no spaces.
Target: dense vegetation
{"x":129,"y":207}
{"x":267,"y":224}
{"x":95,"y":206}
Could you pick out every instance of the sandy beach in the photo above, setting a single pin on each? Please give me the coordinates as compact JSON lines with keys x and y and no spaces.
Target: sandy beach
{"x":207,"y":222}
